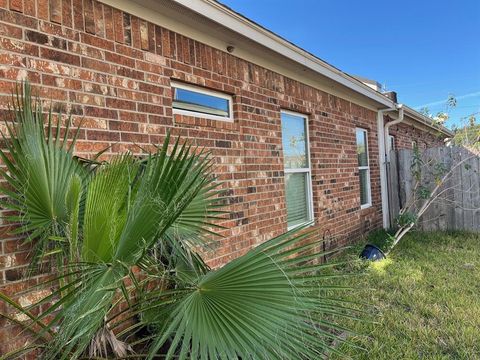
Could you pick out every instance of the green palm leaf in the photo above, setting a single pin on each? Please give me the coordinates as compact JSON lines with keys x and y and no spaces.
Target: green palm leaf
{"x":107,"y":207}
{"x":40,"y":171}
{"x":263,"y":305}
{"x":128,"y":208}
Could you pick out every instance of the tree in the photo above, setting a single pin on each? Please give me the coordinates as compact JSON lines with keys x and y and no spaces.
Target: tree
{"x":431,"y":183}
{"x":423,"y":195}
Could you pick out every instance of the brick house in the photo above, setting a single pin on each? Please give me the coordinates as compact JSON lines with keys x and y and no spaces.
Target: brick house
{"x":295,"y":138}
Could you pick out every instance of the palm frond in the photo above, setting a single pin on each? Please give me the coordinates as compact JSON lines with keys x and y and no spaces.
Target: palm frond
{"x":107,"y":206}
{"x":127,"y":210}
{"x":263,"y":305}
{"x":169,"y":184}
{"x":40,"y":169}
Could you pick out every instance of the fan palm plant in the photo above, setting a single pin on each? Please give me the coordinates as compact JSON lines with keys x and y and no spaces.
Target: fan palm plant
{"x":128,"y":231}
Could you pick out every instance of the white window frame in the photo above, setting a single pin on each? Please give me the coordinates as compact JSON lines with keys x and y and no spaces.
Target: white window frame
{"x":307,"y":170}
{"x":367,"y":167}
{"x":391,"y":142}
{"x":201,"y":90}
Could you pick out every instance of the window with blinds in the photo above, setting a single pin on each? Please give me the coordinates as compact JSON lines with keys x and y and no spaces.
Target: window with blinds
{"x":297,"y":169}
{"x":363,"y":167}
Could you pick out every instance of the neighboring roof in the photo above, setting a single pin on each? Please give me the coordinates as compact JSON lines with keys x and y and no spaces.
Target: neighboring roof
{"x":376,"y":85}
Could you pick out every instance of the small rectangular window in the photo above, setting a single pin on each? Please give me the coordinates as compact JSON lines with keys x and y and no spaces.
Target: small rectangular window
{"x":391,"y":143}
{"x":197,"y":101}
{"x":298,"y":185}
{"x":363,"y":168}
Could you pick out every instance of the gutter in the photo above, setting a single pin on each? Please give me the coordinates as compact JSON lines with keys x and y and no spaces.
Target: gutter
{"x":425,"y":120}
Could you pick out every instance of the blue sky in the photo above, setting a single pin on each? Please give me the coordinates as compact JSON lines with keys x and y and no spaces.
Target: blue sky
{"x":424,"y":50}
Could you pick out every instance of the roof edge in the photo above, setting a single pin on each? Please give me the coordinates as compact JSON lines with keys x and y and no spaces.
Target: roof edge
{"x":238,"y":23}
{"x":415,"y":115}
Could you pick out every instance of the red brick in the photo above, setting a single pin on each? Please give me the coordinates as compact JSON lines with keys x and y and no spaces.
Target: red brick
{"x":101,"y":112}
{"x":55,"y":11}
{"x":10,"y":31}
{"x":151,"y":37}
{"x":67,"y":16}
{"x":119,"y":59}
{"x":58,"y":30}
{"x":144,"y":35}
{"x":108,"y":17}
{"x":89,"y":16}
{"x":97,"y":135}
{"x":30,"y":8}
{"x":42,"y":9}
{"x":15,"y":18}
{"x":123,"y":126}
{"x":121,"y":104}
{"x":16,"y":5}
{"x":118,"y":26}
{"x":60,"y":56}
{"x":18,"y":47}
{"x":133,"y":116}
{"x":78,"y":20}
{"x":127,"y":29}
{"x":96,"y":65}
{"x":129,"y":51}
{"x":99,"y":20}
{"x":134,"y":138}
{"x":158,"y":40}
{"x":97,"y":42}
{"x":135,"y":31}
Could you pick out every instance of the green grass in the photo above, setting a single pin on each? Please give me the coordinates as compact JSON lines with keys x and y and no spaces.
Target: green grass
{"x":424,"y":300}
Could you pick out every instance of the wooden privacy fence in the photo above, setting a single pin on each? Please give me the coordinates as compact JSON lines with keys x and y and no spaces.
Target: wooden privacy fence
{"x":457,"y":206}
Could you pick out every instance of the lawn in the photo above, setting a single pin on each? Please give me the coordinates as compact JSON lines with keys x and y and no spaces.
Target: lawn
{"x":424,"y":300}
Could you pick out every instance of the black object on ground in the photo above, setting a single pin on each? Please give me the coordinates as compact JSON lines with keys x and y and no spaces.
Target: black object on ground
{"x":372,"y":253}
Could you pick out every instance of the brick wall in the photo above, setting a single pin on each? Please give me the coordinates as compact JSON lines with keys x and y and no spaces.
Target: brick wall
{"x":404,"y":135}
{"x":113,"y":70}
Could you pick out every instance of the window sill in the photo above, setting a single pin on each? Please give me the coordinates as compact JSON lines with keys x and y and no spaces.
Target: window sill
{"x":199,"y":121}
{"x":366,"y":206}
{"x":201,"y":115}
{"x":306,"y":224}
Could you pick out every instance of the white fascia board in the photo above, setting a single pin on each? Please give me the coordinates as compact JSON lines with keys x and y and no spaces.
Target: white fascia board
{"x":425,"y":120}
{"x":222,"y":15}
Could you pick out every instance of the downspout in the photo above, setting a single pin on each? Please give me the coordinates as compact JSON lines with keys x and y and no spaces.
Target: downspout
{"x":381,"y":158}
{"x":385,"y":157}
{"x":401,"y":117}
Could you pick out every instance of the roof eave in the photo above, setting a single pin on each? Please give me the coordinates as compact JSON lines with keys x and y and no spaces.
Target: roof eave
{"x":415,"y":115}
{"x":220,"y":14}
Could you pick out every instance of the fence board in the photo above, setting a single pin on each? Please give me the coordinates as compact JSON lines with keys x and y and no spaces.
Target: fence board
{"x":458,"y":206}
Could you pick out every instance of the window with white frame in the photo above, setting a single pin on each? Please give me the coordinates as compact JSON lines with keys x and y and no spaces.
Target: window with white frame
{"x":197,"y":101}
{"x":298,"y":184}
{"x":391,"y":143}
{"x":363,"y":168}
